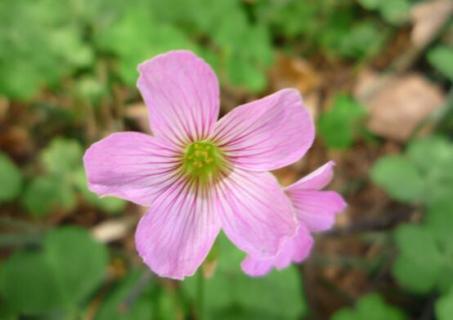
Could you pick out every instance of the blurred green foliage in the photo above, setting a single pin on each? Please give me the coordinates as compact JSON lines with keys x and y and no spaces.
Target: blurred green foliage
{"x":231,"y":294}
{"x":341,"y":125}
{"x":370,"y":307}
{"x":59,"y":41}
{"x":399,"y":177}
{"x":441,"y":58}
{"x":444,"y":307}
{"x":57,"y":276}
{"x":78,"y":37}
{"x":426,"y":251}
{"x":62,"y":181}
{"x":392,"y":11}
{"x":117,"y":306}
{"x":135,"y":37}
{"x":336,"y":28}
{"x":11,"y":179}
{"x":422,"y":174}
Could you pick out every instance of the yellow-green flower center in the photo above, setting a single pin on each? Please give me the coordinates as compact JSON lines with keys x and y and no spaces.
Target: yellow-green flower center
{"x":203,"y":161}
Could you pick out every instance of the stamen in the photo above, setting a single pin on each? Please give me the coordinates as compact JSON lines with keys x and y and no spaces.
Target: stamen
{"x":204,"y":161}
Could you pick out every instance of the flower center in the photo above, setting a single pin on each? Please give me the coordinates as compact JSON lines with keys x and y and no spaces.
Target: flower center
{"x":203,"y":161}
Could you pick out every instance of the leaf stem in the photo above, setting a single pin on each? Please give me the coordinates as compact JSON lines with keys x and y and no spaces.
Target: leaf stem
{"x":200,"y":294}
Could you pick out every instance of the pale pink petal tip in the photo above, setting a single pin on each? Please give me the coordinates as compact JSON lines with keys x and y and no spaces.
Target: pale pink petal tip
{"x":316,"y":209}
{"x":181,"y":92}
{"x":256,"y":267}
{"x":317,"y":180}
{"x":295,"y":250}
{"x":176,"y":234}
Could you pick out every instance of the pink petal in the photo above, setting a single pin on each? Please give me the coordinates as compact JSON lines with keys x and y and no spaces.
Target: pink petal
{"x":301,"y":245}
{"x":316,"y":209}
{"x":267,"y":134}
{"x":256,"y":267}
{"x":316,"y":180}
{"x":130,"y":165}
{"x":294,"y":250}
{"x":182,"y":95}
{"x":176,"y":234}
{"x":255,"y":213}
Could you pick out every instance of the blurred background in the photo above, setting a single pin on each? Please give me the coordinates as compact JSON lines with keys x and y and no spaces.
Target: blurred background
{"x":376,"y":76}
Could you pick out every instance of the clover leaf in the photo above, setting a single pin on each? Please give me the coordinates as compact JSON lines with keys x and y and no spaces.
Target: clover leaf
{"x":370,"y":307}
{"x":441,"y":58}
{"x":399,"y":177}
{"x":60,"y":275}
{"x":11,"y":179}
{"x":426,"y":251}
{"x":444,"y":306}
{"x":338,"y":126}
{"x":422,"y":174}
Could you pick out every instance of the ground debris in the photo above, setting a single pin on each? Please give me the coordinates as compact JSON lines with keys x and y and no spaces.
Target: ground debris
{"x":397,"y":104}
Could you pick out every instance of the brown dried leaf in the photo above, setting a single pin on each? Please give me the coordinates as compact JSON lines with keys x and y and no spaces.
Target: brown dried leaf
{"x":428,"y":18}
{"x":397,"y":105}
{"x":139,"y":114}
{"x":294,"y":72}
{"x":4,"y":106}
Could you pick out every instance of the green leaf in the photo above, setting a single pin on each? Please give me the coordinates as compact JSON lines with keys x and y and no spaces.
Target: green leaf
{"x":291,"y":18}
{"x":6,"y":314}
{"x":71,"y":49}
{"x":439,"y":222}
{"x":433,"y":157}
{"x":419,"y":266}
{"x":361,"y":40}
{"x":107,"y":204}
{"x":244,"y":66}
{"x":444,"y":307}
{"x":46,"y":194}
{"x":11,"y":179}
{"x":441,"y":58}
{"x":91,"y":89}
{"x":50,"y":50}
{"x":339,"y":126}
{"x":78,"y":262}
{"x":399,"y":177}
{"x":370,"y":4}
{"x":117,"y":307}
{"x":429,"y":152}
{"x":136,"y":37}
{"x":370,"y":307}
{"x":237,"y":64}
{"x":395,"y":11}
{"x":426,"y":251}
{"x":392,"y":11}
{"x":241,"y":72}
{"x":62,"y":274}
{"x":62,"y":156}
{"x":28,"y":285}
{"x":230,"y":294}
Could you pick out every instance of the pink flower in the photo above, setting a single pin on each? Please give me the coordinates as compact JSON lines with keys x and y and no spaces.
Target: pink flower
{"x":198,"y":175}
{"x":315,"y":210}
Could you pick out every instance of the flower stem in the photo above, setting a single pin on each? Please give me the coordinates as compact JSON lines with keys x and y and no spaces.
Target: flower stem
{"x":200,"y":294}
